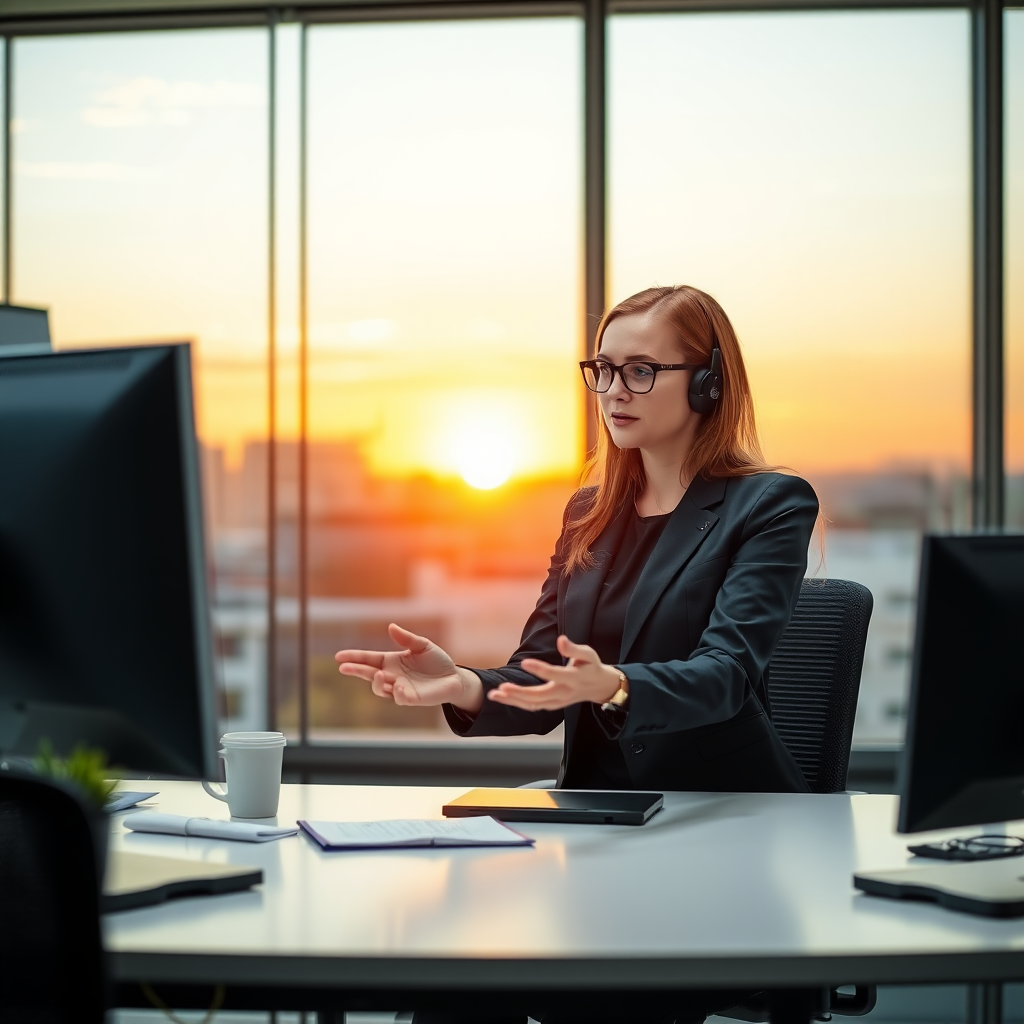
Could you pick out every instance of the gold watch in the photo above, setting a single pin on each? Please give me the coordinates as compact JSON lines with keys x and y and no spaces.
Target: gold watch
{"x":619,"y":699}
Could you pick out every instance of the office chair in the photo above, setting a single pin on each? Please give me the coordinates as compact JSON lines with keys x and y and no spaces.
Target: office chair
{"x":52,"y":967}
{"x":813,"y":682}
{"x":814,"y":678}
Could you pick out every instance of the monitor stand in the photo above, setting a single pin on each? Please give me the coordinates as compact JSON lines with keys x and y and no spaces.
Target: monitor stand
{"x":994,"y":888}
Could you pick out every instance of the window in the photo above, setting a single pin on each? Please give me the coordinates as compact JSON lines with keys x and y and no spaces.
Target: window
{"x":140,"y":195}
{"x":444,"y":282}
{"x":811,"y":170}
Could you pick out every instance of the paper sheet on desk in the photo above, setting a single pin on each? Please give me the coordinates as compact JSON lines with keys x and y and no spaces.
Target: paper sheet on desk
{"x":404,"y":833}
{"x":123,"y":800}
{"x":208,"y":828}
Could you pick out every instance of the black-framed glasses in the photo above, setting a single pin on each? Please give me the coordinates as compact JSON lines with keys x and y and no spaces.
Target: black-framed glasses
{"x":981,"y":847}
{"x":638,"y":376}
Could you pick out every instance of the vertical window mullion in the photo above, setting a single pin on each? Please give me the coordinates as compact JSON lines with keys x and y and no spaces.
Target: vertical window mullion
{"x":987,"y":164}
{"x":8,"y":164}
{"x":595,"y":199}
{"x":303,"y":512}
{"x":271,"y":650}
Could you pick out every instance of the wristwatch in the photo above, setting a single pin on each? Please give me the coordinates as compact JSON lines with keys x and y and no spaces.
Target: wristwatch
{"x":619,"y":699}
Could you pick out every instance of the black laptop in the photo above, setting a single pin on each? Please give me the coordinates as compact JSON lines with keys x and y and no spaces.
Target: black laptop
{"x":588,"y":806}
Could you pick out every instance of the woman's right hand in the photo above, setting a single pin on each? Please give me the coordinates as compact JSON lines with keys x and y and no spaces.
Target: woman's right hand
{"x":421,"y":674}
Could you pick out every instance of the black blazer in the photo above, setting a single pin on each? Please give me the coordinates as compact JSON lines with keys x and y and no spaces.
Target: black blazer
{"x":705,"y":617}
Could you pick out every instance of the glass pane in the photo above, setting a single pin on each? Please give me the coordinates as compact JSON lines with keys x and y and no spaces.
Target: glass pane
{"x":444,"y":296}
{"x":811,"y":170}
{"x":1013,"y":25}
{"x":140,"y":198}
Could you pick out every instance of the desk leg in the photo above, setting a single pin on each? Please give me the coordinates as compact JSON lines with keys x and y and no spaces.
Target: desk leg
{"x":985,"y":1003}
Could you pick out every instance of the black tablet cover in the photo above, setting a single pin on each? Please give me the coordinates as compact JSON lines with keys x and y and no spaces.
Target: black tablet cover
{"x":588,"y":806}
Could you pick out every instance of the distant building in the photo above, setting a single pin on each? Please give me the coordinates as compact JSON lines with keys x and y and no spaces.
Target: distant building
{"x":466,"y":569}
{"x":477,"y":621}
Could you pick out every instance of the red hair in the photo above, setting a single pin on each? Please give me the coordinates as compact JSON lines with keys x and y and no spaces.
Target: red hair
{"x":726,"y":442}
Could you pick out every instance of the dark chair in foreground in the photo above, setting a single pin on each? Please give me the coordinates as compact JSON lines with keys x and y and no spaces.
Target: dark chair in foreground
{"x":813,"y":682}
{"x":51,"y":952}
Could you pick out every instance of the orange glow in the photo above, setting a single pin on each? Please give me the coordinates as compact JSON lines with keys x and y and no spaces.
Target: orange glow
{"x":443,"y":329}
{"x":854,"y":412}
{"x":452,"y":424}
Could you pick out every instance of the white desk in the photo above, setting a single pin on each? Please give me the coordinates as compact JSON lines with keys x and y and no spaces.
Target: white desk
{"x":746,"y":891}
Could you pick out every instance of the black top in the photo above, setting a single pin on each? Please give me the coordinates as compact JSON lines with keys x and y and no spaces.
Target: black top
{"x":704,"y":619}
{"x":602,"y":764}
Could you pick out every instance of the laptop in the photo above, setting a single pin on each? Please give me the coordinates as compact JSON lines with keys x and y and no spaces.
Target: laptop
{"x":586,"y":806}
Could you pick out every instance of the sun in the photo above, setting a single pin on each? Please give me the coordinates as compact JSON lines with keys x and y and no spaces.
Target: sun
{"x":485,"y":457}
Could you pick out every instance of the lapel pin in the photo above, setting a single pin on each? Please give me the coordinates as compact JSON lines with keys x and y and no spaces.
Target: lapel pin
{"x":707,"y":523}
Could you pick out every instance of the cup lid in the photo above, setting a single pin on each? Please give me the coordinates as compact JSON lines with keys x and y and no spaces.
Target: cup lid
{"x":253,"y":739}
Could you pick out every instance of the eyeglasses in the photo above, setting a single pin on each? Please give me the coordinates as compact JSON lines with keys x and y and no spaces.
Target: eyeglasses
{"x":639,"y":378}
{"x":982,"y":847}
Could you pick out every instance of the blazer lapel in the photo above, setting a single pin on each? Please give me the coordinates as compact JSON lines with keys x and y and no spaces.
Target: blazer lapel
{"x":582,"y":589}
{"x":689,"y":524}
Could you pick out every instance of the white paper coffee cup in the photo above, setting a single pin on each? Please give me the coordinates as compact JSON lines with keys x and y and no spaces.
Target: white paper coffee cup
{"x":252,"y":768}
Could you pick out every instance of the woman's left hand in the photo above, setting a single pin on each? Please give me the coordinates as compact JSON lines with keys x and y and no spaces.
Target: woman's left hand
{"x":584,"y":678}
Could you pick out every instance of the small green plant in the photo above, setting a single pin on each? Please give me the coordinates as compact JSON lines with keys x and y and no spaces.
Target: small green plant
{"x":85,"y":768}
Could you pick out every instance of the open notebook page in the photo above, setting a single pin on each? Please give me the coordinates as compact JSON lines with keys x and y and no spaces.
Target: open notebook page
{"x":352,"y":835}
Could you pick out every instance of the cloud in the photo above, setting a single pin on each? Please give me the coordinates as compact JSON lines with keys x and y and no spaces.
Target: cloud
{"x":95,"y":171}
{"x":142,"y":101}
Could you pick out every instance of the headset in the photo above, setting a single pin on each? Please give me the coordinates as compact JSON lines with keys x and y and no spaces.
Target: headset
{"x":706,"y":383}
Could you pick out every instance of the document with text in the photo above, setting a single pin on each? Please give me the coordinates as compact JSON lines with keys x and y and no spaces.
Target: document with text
{"x":402,"y":833}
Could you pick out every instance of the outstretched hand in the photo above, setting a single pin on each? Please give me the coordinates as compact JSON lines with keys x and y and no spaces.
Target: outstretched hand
{"x":584,"y":678}
{"x":420,"y":674}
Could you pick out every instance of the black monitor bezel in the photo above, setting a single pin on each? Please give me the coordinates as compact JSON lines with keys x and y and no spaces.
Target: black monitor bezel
{"x":180,"y":358}
{"x":1004,"y":793}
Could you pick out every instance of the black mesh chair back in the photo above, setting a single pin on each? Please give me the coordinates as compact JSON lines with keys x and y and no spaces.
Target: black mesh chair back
{"x":814,"y":678}
{"x":51,"y":952}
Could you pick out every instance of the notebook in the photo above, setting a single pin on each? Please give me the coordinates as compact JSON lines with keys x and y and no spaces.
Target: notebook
{"x":140,"y":880}
{"x":406,"y":833}
{"x":589,"y":806}
{"x":122,"y":799}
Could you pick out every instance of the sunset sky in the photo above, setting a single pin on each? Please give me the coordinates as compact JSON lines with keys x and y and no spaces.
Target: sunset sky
{"x":810,"y":170}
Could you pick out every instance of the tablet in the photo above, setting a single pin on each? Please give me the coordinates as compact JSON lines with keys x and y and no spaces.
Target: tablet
{"x":590,"y":806}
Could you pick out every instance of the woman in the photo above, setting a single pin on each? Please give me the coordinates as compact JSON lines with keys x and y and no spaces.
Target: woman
{"x":671,"y":583}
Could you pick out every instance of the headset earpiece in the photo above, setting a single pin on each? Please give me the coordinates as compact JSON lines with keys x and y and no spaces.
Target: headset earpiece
{"x":706,"y":384}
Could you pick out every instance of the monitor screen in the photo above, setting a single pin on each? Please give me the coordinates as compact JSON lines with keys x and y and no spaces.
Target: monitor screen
{"x":104,"y":624}
{"x":963,"y":762}
{"x":23,"y":329}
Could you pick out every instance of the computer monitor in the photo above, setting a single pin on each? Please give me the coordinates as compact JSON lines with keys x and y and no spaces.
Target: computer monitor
{"x":963,"y":762}
{"x":105,"y":634}
{"x":23,"y":330}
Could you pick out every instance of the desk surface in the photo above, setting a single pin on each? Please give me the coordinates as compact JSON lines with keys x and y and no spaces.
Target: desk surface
{"x":718,"y":889}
